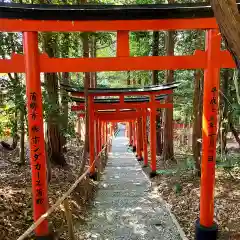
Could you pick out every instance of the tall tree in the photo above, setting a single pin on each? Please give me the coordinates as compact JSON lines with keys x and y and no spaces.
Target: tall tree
{"x":87,"y":80}
{"x":224,"y":110}
{"x":197,"y":120}
{"x":168,"y":152}
{"x":197,"y":111}
{"x":93,"y":54}
{"x":54,"y":137}
{"x":155,"y":81}
{"x":64,"y":95}
{"x":228,"y":19}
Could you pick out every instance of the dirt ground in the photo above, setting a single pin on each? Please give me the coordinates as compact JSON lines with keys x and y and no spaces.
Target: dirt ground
{"x":185,"y":204}
{"x":16,"y":199}
{"x":181,"y":190}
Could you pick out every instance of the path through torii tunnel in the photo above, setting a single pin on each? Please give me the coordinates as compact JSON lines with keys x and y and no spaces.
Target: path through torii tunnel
{"x":125,"y":207}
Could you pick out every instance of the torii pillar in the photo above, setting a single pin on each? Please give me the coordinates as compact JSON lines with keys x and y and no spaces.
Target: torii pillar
{"x":206,"y":229}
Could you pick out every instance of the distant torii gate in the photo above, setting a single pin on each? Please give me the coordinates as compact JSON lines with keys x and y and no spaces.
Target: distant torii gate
{"x":108,"y":104}
{"x":152,"y":101}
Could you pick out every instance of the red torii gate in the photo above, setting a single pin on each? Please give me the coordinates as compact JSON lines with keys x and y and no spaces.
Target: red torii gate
{"x":152,"y":103}
{"x":31,"y":20}
{"x":138,"y":133}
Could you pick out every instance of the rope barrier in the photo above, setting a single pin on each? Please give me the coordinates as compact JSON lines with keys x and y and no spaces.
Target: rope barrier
{"x":60,"y":200}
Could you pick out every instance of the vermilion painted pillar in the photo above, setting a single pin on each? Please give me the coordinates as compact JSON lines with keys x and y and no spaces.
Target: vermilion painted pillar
{"x":35,"y":129}
{"x":134,"y":136}
{"x":106,"y":136}
{"x":145,"y":144}
{"x":104,"y":133}
{"x":92,"y":172}
{"x":100,"y":135}
{"x":141,"y":137}
{"x":139,"y":140}
{"x":109,"y":136}
{"x":130,"y":134}
{"x":206,"y":228}
{"x":153,"y":136}
{"x":97,"y":136}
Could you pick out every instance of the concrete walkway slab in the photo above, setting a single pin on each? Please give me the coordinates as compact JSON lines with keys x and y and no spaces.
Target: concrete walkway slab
{"x":124,"y":207}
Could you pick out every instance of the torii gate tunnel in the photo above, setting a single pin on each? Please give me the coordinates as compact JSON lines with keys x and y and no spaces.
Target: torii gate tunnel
{"x":31,"y":19}
{"x":125,"y":109}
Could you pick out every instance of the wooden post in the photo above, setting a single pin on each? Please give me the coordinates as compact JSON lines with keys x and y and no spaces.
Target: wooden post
{"x":68,"y":214}
{"x":206,"y":229}
{"x":36,"y":133}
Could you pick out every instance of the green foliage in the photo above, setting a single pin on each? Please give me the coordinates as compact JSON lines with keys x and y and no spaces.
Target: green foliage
{"x":177,"y":188}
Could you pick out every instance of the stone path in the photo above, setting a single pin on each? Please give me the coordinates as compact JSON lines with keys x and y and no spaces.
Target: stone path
{"x":124,"y":207}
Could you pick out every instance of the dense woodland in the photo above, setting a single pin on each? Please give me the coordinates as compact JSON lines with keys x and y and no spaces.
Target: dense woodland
{"x":60,"y":122}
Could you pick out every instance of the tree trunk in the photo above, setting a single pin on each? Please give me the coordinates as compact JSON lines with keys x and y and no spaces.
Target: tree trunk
{"x":168,"y":153}
{"x":14,"y":130}
{"x":54,"y":137}
{"x":155,"y":81}
{"x":232,"y":128}
{"x":159,"y":133}
{"x":16,"y":82}
{"x":128,"y":78}
{"x":228,"y":19}
{"x":224,"y":102}
{"x":197,"y":114}
{"x":155,"y":48}
{"x":197,"y":120}
{"x":86,"y":87}
{"x":64,"y":94}
{"x":93,"y":55}
{"x":22,"y":138}
{"x":87,"y":79}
